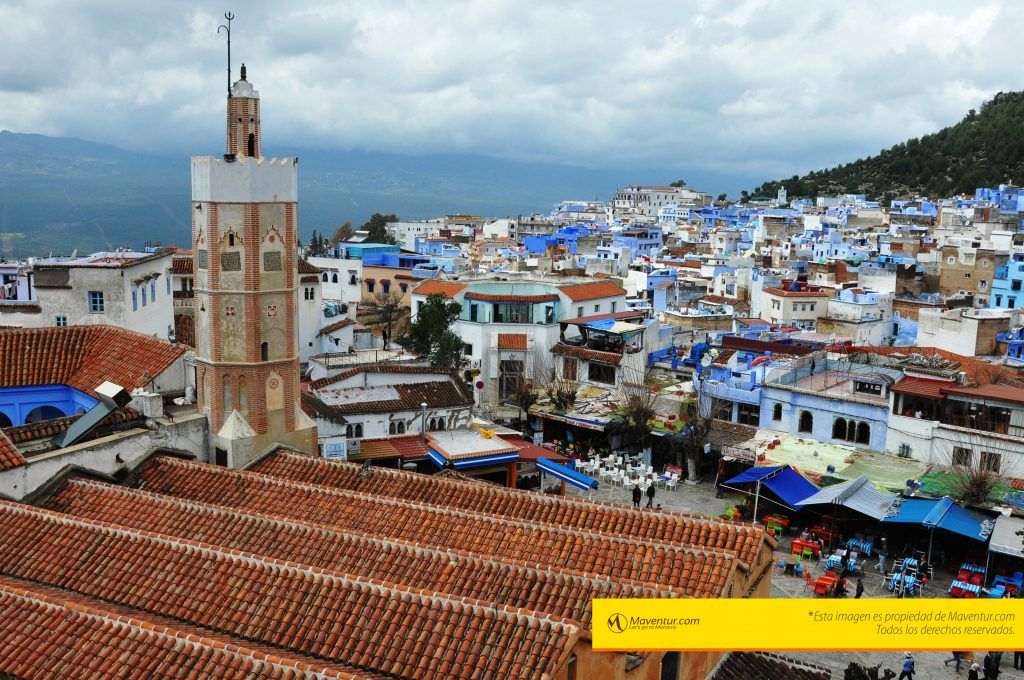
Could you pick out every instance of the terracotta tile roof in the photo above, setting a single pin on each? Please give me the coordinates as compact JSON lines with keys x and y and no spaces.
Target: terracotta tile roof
{"x":10,"y":457}
{"x":512,"y":341}
{"x":723,"y":357}
{"x":51,"y":633}
{"x":592,"y":291}
{"x":20,"y":306}
{"x":372,"y":368}
{"x":720,"y":300}
{"x":763,"y":666}
{"x":744,"y":540}
{"x":306,"y":268}
{"x":1004,"y":393}
{"x":407,"y":448}
{"x":185,"y":329}
{"x":695,"y":572}
{"x":82,"y":357}
{"x":336,"y":326}
{"x":530,"y":452}
{"x":435,"y":394}
{"x":449,"y":289}
{"x":921,"y":387}
{"x":586,"y":354}
{"x":182,"y":264}
{"x":351,"y":620}
{"x":974,"y":368}
{"x":51,"y":428}
{"x":454,"y":572}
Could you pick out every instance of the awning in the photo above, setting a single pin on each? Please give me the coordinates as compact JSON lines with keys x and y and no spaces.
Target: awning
{"x":782,"y":480}
{"x":949,"y":516}
{"x":910,"y":510}
{"x":1004,"y":536}
{"x":858,"y":494}
{"x":463,"y":462}
{"x":567,"y":475}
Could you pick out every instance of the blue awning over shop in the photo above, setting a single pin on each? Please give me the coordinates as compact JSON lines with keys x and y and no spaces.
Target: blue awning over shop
{"x":566,"y":474}
{"x":910,"y":510}
{"x":785,"y":482}
{"x":949,"y":516}
{"x":464,"y":462}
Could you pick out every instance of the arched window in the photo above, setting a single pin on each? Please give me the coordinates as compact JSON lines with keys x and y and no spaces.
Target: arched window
{"x":863,"y":433}
{"x":264,"y":351}
{"x":334,"y":277}
{"x":391,"y":427}
{"x":806,"y":422}
{"x":839,"y":428}
{"x":403,"y":287}
{"x":252,"y":145}
{"x":358,"y":430}
{"x":432,"y":425}
{"x":851,"y":431}
{"x":227,"y":405}
{"x":348,"y":431}
{"x":401,"y":427}
{"x":777,"y":412}
{"x":352,"y":280}
{"x":385,"y":286}
{"x":440,"y":424}
{"x":370,"y":285}
{"x":41,"y":413}
{"x":325,"y":278}
{"x":231,"y":238}
{"x":4,"y":420}
{"x":243,"y":396}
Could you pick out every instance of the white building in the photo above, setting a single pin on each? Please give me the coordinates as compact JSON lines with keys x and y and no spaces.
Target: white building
{"x":126,"y":289}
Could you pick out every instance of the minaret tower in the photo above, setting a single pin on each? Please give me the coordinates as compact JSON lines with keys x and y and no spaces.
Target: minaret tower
{"x":244,"y":231}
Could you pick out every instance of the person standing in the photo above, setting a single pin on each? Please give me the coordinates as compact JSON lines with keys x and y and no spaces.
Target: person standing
{"x":882,"y":550}
{"x":1018,"y":661}
{"x":636,"y":495}
{"x":973,"y":673}
{"x":860,"y":589}
{"x":908,"y":667}
{"x":650,"y":496}
{"x":990,"y":666}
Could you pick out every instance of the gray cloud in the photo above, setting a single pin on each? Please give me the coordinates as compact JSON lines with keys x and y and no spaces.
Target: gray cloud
{"x":751,"y":88}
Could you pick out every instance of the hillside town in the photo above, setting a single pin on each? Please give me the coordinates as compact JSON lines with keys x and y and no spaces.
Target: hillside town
{"x":421,"y":452}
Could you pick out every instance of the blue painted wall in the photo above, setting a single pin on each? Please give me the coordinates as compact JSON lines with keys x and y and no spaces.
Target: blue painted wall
{"x":18,"y":402}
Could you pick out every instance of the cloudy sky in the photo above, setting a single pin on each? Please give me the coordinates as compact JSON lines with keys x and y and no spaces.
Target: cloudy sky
{"x":753,"y":88}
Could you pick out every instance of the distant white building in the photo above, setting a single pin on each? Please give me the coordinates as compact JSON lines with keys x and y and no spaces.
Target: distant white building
{"x":649,"y":200}
{"x":123,"y":288}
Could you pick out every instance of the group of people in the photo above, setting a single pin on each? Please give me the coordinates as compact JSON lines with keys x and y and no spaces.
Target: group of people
{"x":638,"y":495}
{"x":988,"y":668}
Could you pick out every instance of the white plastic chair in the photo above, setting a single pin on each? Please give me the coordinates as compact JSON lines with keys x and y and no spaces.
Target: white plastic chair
{"x":672,"y":481}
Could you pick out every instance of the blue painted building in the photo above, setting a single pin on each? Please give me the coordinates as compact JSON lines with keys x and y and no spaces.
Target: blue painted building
{"x":1008,"y":284}
{"x":20,"y":405}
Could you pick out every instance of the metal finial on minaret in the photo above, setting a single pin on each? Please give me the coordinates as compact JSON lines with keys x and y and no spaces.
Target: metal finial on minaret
{"x":242,"y":72}
{"x":227,"y":28}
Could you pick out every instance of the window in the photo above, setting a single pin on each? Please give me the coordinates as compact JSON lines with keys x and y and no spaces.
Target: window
{"x":231,"y":239}
{"x":962,"y":457}
{"x":95,"y":298}
{"x":473,"y":312}
{"x":570,"y":368}
{"x":352,"y":280}
{"x":264,"y":351}
{"x":385,"y":286}
{"x":392,"y":428}
{"x":510,"y":312}
{"x":467,"y":349}
{"x":967,"y":275}
{"x":579,"y":312}
{"x":510,"y":377}
{"x":614,"y":305}
{"x":325,"y":278}
{"x":776,"y":305}
{"x":135,"y":300}
{"x":370,"y":284}
{"x":749,"y":414}
{"x":813,"y":305}
{"x":991,"y":461}
{"x":806,"y":423}
{"x":152,"y":291}
{"x":143,"y":295}
{"x":597,"y":309}
{"x":950,"y":260}
{"x":777,"y":412}
{"x":601,"y":373}
{"x":982,"y":285}
{"x":401,"y":427}
{"x":168,"y":280}
{"x":1015,"y":284}
{"x":60,"y":321}
{"x":863,"y":433}
{"x":839,"y":428}
{"x":404,"y":287}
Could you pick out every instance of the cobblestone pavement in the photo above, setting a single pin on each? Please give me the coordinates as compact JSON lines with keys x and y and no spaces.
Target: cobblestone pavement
{"x":700,"y":499}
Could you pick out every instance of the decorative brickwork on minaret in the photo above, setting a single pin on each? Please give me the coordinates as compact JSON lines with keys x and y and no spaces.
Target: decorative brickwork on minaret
{"x":244,"y":233}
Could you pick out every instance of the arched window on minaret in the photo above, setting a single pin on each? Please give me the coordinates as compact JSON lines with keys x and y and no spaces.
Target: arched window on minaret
{"x":252,"y":145}
{"x":228,"y":406}
{"x":243,"y":396}
{"x":264,"y":351}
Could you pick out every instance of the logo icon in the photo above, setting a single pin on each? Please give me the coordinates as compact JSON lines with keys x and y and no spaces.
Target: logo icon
{"x":617,"y":623}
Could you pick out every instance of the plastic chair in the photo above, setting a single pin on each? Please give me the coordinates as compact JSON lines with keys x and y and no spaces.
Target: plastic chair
{"x":807,"y":554}
{"x":781,"y":566}
{"x":808,"y":581}
{"x":799,"y":569}
{"x":672,"y":482}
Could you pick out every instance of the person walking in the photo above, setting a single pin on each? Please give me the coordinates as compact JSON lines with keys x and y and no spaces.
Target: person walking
{"x":958,"y":657}
{"x":860,"y":589}
{"x":636,"y":495}
{"x":650,"y":496}
{"x":882,"y":550}
{"x":973,"y":673}
{"x":1018,"y":661}
{"x":908,"y":667}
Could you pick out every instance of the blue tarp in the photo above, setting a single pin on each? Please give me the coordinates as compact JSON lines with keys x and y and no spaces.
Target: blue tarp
{"x":949,"y":516}
{"x":910,"y":510}
{"x":602,"y":324}
{"x":567,"y":475}
{"x":476,"y":461}
{"x":789,"y":485}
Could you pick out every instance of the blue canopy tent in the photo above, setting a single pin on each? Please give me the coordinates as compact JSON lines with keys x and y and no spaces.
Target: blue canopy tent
{"x":943,"y":514}
{"x":463,"y":462}
{"x":782,"y":480}
{"x":566,"y":474}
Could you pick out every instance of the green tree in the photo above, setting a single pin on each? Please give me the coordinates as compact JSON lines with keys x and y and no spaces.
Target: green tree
{"x":721,"y":198}
{"x":434,"y":317}
{"x":679,"y":183}
{"x":446,"y":353}
{"x":376,"y":226}
{"x":342,"y":233}
{"x":317,"y":246}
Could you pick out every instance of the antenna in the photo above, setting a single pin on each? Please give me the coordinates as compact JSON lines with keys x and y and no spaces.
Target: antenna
{"x":227,"y":28}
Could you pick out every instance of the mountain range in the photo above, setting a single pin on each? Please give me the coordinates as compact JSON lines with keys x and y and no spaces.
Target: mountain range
{"x":59,"y":194}
{"x":985,"y":148}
